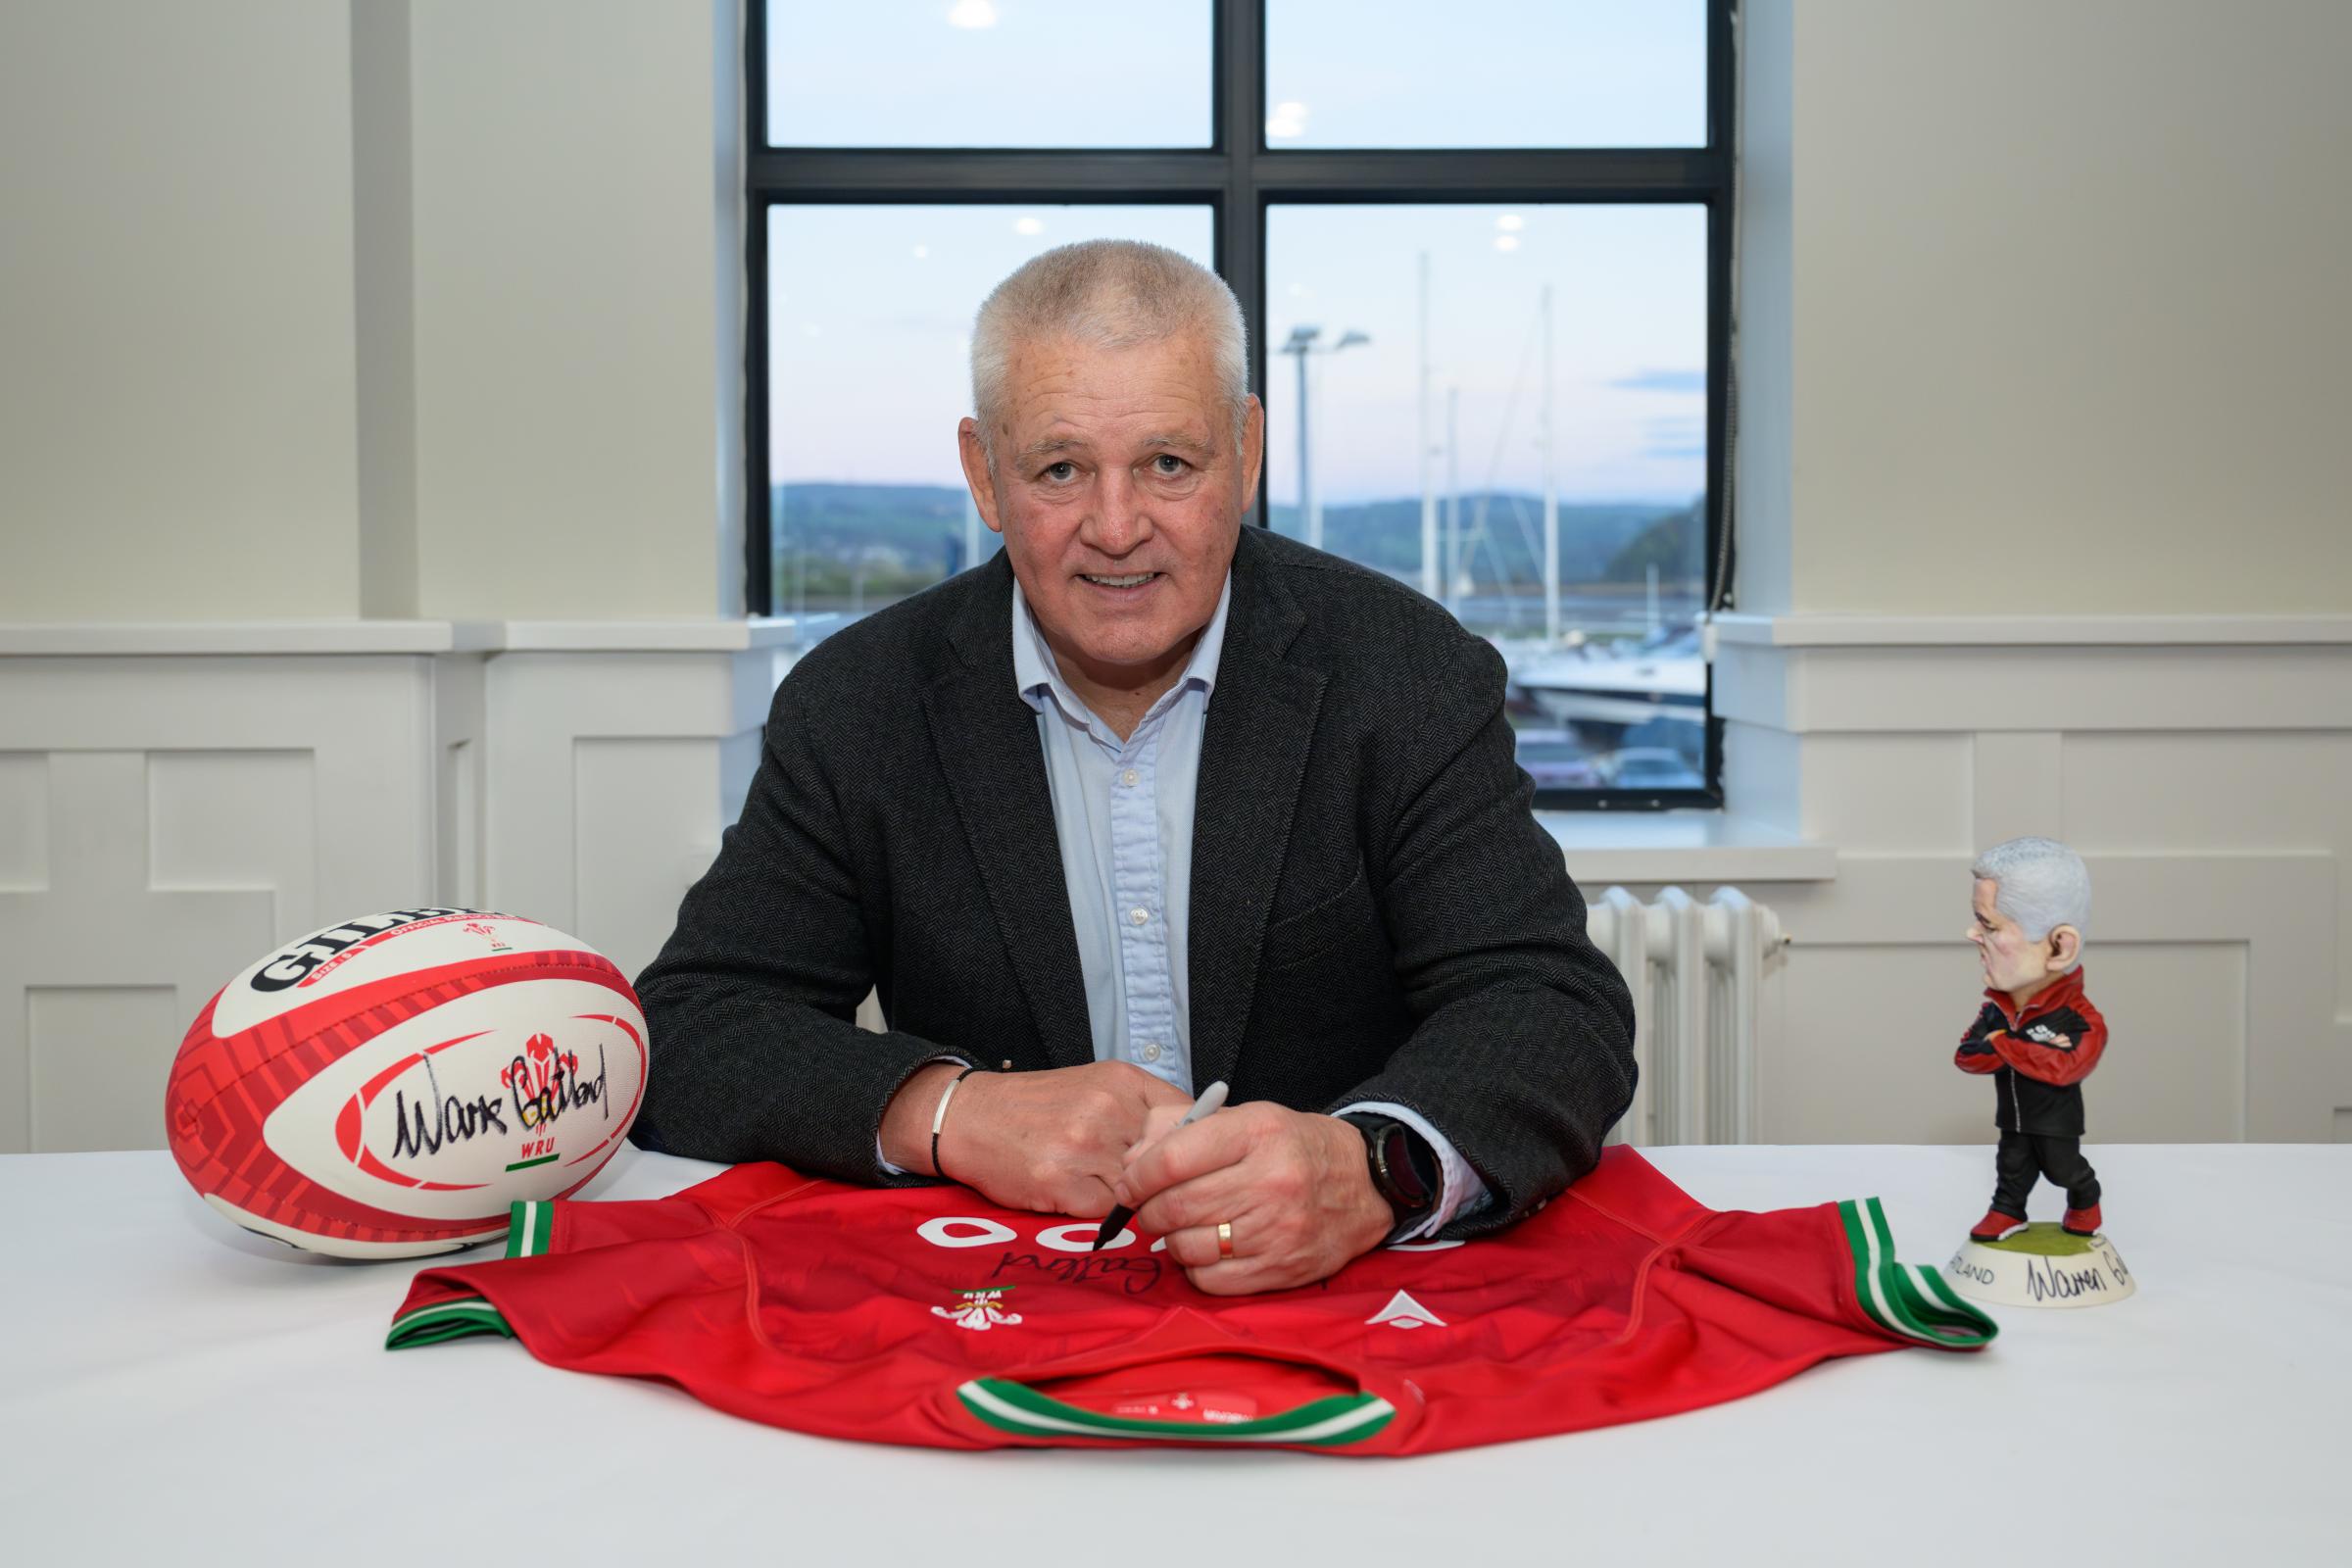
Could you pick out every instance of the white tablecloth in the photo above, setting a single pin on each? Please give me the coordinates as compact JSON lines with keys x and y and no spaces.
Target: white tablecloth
{"x":173,"y":1391}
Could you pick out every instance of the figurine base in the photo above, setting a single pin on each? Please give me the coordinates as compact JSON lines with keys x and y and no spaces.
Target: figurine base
{"x":2040,"y":1265}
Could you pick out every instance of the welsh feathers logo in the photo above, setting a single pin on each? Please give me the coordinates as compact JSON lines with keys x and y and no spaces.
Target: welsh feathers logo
{"x":979,"y":1309}
{"x":537,"y":1079}
{"x":478,"y":929}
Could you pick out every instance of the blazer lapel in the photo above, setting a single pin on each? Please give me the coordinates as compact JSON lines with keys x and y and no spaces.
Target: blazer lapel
{"x":1261,"y":720}
{"x":986,"y":739}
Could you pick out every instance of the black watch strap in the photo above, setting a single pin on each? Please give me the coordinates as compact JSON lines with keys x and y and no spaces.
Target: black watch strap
{"x":1402,"y":1165}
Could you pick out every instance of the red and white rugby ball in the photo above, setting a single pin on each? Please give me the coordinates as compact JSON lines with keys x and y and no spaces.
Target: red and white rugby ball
{"x":387,"y":1087}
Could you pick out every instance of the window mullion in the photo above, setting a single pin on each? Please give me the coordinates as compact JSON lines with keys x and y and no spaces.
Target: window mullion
{"x":1241,"y":213}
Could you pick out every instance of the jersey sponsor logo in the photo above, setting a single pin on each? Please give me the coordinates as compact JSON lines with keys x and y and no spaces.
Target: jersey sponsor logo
{"x":970,"y":1230}
{"x":1403,"y":1312}
{"x":980,"y":1310}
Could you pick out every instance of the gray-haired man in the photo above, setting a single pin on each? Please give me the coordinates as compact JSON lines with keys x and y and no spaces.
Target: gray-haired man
{"x":1148,"y":801}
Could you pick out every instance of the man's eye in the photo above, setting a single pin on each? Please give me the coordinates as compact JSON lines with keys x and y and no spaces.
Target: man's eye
{"x":1167,"y":465}
{"x":1059,"y":472}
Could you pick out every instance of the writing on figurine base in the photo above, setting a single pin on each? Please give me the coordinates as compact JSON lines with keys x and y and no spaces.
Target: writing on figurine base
{"x":2040,"y":1265}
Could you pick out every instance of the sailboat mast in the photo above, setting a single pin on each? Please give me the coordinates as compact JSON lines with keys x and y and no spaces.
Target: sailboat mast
{"x":1551,"y":494}
{"x":1454,"y":501}
{"x":1429,"y":496}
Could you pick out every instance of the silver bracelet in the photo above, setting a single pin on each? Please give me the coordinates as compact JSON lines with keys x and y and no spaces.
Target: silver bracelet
{"x":939,"y":1118}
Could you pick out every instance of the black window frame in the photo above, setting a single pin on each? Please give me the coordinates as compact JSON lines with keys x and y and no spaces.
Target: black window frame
{"x":1237,"y":176}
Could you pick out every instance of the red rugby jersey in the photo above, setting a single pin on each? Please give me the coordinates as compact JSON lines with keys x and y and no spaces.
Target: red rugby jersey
{"x":927,"y":1315}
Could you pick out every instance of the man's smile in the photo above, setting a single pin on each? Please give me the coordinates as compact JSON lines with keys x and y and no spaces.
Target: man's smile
{"x":1128,"y":583}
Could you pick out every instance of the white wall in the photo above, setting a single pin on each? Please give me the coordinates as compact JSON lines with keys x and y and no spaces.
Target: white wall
{"x":2041,"y":393}
{"x":501,"y":399}
{"x":2068,"y":314}
{"x":566,"y":347}
{"x":176,"y":380}
{"x":420,"y":309}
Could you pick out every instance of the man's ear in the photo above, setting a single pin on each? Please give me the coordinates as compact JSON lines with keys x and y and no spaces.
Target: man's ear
{"x":975,"y":453}
{"x":2065,"y":949}
{"x":1253,"y":450}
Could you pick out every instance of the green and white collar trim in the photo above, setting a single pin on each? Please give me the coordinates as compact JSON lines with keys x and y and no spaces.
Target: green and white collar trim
{"x":1009,"y":1407}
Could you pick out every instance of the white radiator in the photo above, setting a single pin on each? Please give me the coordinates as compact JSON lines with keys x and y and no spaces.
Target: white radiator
{"x":1697,"y":973}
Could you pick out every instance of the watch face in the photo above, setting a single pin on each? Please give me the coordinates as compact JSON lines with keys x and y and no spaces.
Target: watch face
{"x":1402,"y":1186}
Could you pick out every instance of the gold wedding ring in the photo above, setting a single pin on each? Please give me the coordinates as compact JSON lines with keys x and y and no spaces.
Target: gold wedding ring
{"x":1225,"y":1240}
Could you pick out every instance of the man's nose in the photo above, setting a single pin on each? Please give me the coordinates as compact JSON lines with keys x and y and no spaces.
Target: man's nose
{"x":1118,"y":522}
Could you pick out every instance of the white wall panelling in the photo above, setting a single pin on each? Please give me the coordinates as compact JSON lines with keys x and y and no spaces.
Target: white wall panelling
{"x":2202,"y":779}
{"x":605,"y":780}
{"x":165,"y":819}
{"x":187,"y":813}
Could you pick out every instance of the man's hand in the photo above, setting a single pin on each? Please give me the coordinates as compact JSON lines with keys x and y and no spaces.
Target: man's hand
{"x":1049,"y":1142}
{"x":1293,"y":1187}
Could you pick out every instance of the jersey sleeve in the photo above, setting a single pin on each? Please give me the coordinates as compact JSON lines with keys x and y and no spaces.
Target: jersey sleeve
{"x":1836,"y":1263}
{"x":1974,"y":1053}
{"x":528,"y":1295}
{"x":2059,"y":1048}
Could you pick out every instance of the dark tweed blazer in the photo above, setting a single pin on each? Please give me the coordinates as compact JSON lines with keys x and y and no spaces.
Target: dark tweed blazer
{"x":1375,"y":914}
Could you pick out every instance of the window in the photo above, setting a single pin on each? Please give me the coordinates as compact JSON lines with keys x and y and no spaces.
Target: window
{"x":1483,"y":253}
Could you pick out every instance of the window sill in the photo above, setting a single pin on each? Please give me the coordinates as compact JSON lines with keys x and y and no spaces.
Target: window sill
{"x":1682,"y":846}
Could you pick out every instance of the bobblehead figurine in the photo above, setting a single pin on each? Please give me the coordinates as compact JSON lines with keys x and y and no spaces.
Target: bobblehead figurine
{"x":2038,"y":1037}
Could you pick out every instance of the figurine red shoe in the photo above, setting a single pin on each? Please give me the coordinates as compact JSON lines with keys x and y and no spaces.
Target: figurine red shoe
{"x":1995,"y":1226}
{"x":2081,"y":1221}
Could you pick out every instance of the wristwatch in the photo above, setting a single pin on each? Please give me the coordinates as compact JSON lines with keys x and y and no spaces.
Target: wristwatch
{"x":1404,"y":1168}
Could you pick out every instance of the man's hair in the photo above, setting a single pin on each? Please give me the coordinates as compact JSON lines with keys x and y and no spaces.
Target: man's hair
{"x":1107,"y":293}
{"x":2043,"y":884}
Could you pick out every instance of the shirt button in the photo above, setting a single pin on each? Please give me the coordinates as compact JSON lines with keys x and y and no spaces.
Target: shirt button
{"x":1151,"y":1050}
{"x":1139,"y":917}
{"x":1130,"y":776}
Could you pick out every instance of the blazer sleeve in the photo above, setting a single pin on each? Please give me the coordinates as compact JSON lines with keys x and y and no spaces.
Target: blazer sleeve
{"x":751,"y":1005}
{"x":1522,"y":1051}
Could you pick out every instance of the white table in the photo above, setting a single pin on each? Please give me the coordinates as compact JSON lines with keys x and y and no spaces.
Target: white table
{"x":173,"y":1391}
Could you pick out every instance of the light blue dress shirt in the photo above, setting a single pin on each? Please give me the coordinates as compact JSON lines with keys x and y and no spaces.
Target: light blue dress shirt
{"x":1123,"y":815}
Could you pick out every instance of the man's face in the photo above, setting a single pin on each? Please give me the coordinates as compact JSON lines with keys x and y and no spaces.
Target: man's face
{"x":1119,"y":493}
{"x":2012,"y":960}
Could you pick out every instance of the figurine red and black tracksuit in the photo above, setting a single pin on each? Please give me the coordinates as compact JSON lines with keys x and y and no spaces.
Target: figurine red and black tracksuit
{"x":2038,"y":1057}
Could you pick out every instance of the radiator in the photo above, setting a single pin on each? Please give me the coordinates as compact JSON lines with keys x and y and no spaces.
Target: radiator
{"x":1697,"y":972}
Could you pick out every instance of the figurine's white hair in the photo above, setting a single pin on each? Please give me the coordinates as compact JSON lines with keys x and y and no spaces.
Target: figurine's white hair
{"x":2043,"y":884}
{"x":1107,"y":293}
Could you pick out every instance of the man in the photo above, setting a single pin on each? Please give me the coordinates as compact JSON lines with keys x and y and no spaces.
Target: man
{"x":2036,"y":1032}
{"x":1148,"y":802}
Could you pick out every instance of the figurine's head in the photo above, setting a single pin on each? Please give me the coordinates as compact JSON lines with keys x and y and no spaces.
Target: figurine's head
{"x":2033,"y":900}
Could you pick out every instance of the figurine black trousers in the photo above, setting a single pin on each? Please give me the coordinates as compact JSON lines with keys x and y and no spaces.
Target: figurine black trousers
{"x":2025,"y":1155}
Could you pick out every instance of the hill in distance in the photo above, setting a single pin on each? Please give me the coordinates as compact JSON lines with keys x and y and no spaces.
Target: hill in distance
{"x":920,"y":529}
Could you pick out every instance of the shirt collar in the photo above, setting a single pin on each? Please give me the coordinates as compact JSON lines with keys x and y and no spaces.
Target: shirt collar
{"x":1037,"y":673}
{"x":2063,"y":991}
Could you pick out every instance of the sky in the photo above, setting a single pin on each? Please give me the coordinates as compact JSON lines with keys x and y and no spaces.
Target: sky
{"x":871,"y":306}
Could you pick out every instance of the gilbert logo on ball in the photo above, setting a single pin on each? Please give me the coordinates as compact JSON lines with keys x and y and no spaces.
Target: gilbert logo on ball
{"x":388,"y":1087}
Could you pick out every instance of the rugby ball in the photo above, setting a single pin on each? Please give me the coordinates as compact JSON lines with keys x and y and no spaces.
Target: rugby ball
{"x":388,"y":1087}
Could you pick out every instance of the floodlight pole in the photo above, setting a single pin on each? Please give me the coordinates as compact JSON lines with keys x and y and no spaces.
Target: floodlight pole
{"x":1301,"y":344}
